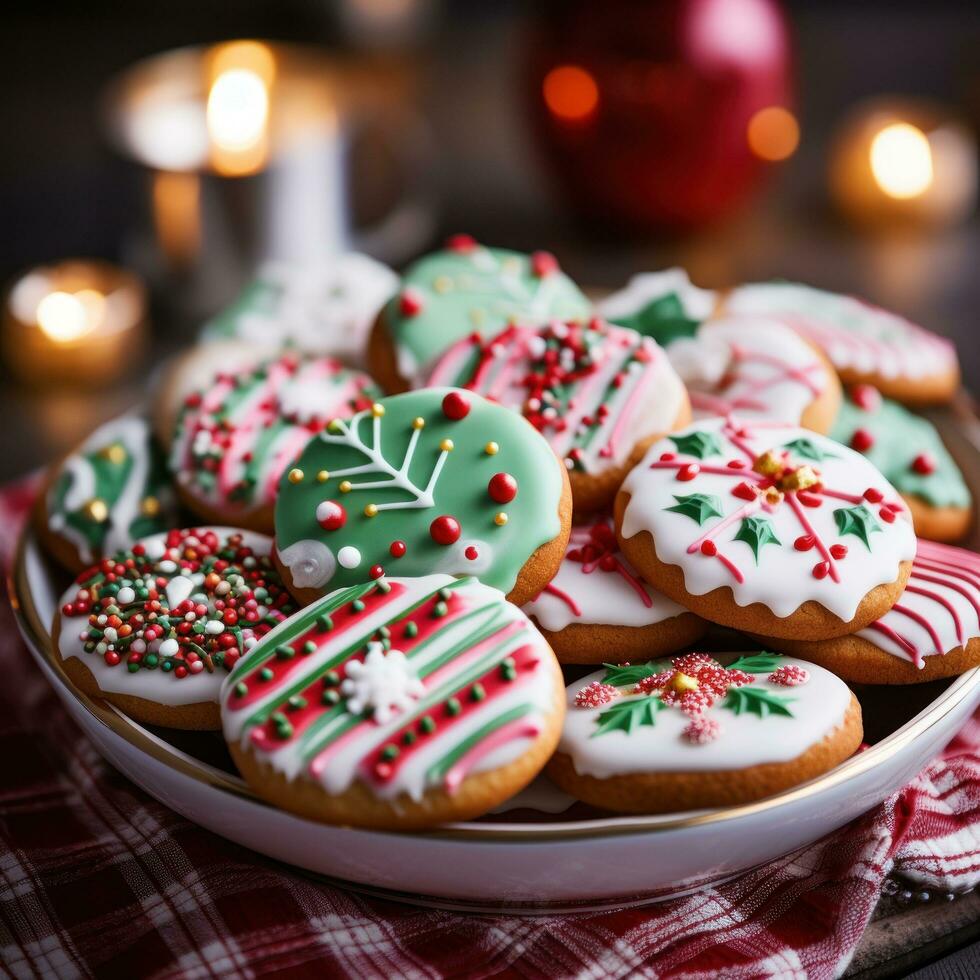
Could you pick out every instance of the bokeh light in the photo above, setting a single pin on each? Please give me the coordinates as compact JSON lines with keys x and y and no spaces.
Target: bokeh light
{"x":570,"y":93}
{"x":773,"y":133}
{"x":901,"y":160}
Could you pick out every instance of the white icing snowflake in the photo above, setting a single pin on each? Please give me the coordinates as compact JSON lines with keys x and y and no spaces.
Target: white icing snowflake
{"x":384,"y":682}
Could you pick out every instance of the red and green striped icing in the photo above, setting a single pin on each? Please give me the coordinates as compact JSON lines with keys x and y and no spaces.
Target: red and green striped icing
{"x":486,"y":687}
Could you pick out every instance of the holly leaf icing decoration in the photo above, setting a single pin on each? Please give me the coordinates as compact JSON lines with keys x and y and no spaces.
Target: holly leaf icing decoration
{"x":627,"y":675}
{"x":697,"y":506}
{"x":624,"y":716}
{"x":664,"y":319}
{"x":808,"y":449}
{"x":756,"y":532}
{"x":858,"y":521}
{"x":699,"y":444}
{"x":756,"y":663}
{"x":757,"y":701}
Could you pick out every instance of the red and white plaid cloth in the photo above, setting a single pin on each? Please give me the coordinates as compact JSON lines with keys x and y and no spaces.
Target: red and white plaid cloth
{"x":98,"y":878}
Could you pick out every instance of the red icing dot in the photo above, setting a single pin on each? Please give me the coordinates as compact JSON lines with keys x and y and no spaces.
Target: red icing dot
{"x":410,"y":303}
{"x":330,"y":515}
{"x":736,"y":464}
{"x":838,"y":551}
{"x":543,"y":264}
{"x":471,"y":553}
{"x":376,"y":571}
{"x":444,"y":529}
{"x":808,"y":499}
{"x":743,"y":491}
{"x":397,"y":549}
{"x":455,"y":406}
{"x":461,"y":243}
{"x":873,"y":496}
{"x":887,"y":515}
{"x":804,"y":542}
{"x":821,"y":570}
{"x":862,"y":440}
{"x":924,"y":464}
{"x":111,"y":658}
{"x":502,"y":488}
{"x":688,"y":472}
{"x":865,"y":397}
{"x":709,"y":548}
{"x":666,"y":457}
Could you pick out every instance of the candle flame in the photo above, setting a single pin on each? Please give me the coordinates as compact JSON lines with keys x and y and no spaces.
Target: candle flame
{"x":66,"y":317}
{"x":901,"y":161}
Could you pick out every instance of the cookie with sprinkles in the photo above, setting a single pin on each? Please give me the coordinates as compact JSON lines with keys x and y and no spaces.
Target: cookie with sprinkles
{"x":909,"y":451}
{"x":234,"y":439}
{"x":435,"y":480}
{"x":867,"y":345}
{"x":932,"y":631}
{"x":396,"y":703}
{"x":597,"y":608}
{"x":767,"y":528}
{"x":599,"y":394}
{"x":465,"y":287}
{"x":112,"y":490}
{"x":155,"y":629}
{"x":702,"y":731}
{"x":757,"y":368}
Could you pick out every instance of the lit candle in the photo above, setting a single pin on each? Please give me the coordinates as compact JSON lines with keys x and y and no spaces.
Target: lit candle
{"x":904,"y":163}
{"x":80,"y":320}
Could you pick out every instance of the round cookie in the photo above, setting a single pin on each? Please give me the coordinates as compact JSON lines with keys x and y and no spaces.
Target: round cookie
{"x":757,"y":368}
{"x":767,"y":528}
{"x":467,"y":286}
{"x":598,"y":609}
{"x":326,"y":308}
{"x":702,"y":732}
{"x":437,"y":480}
{"x":910,"y":453}
{"x":866,"y":344}
{"x":599,"y":394}
{"x":155,"y":629}
{"x":664,"y":305}
{"x":399,"y":703}
{"x":932,"y":631}
{"x":234,"y":439}
{"x":102,"y":497}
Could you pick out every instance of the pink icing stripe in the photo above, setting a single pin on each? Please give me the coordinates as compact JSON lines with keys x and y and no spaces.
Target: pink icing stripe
{"x":623,"y":416}
{"x":714,"y":470}
{"x":634,"y":582}
{"x":945,"y":603}
{"x":705,"y":402}
{"x":732,"y":567}
{"x":519,"y":728}
{"x":848,"y":497}
{"x":907,"y":645}
{"x":790,"y":373}
{"x":923,"y":622}
{"x":962,"y":574}
{"x":808,"y":528}
{"x":552,"y":589}
{"x":957,"y":622}
{"x":750,"y":508}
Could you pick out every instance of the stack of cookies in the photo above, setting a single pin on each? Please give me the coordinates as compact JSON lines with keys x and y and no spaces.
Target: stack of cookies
{"x":373,"y":568}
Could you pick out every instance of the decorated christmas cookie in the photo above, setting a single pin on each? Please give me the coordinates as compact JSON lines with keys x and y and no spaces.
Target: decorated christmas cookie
{"x":327,"y":308}
{"x":396,"y":703}
{"x":467,"y":286}
{"x":664,"y":305}
{"x":702,"y":731}
{"x":156,"y":629}
{"x":907,"y":449}
{"x":865,"y":343}
{"x":766,"y":527}
{"x":437,"y":480}
{"x":932,"y":631}
{"x":757,"y":368}
{"x":234,"y":439}
{"x":597,"y":608}
{"x":599,"y":394}
{"x":110,"y":491}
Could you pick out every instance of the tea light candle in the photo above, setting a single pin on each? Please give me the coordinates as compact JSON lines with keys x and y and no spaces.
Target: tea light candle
{"x":80,"y":320}
{"x":906,"y":163}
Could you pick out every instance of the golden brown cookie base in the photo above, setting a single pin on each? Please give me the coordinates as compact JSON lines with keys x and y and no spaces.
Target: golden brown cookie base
{"x":810,"y":619}
{"x":669,"y":792}
{"x":936,"y":389}
{"x":63,"y":551}
{"x":382,"y":360}
{"x":821,"y":413}
{"x":359,"y":807}
{"x":947,"y":524}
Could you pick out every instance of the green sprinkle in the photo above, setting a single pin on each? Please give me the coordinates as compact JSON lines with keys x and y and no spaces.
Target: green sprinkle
{"x":427,"y":725}
{"x":411,"y":629}
{"x":151,"y":660}
{"x":324,"y":623}
{"x":445,"y":593}
{"x":241,"y":689}
{"x":477,"y":693}
{"x":285,"y":653}
{"x":330,"y":696}
{"x":133,"y":667}
{"x":309,"y":647}
{"x":384,"y":631}
{"x":508,"y":670}
{"x":296,"y":702}
{"x":167,"y":666}
{"x":357,"y":605}
{"x":266,"y":674}
{"x":409,"y":737}
{"x":331,"y":678}
{"x":389,"y":752}
{"x":453,"y":707}
{"x":283,"y":728}
{"x":439,"y":610}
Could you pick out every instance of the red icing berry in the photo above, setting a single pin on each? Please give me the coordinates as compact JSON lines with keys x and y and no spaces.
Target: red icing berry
{"x":873,"y":496}
{"x":330,"y":515}
{"x":924,"y":464}
{"x":666,"y":457}
{"x":543,"y":264}
{"x":455,"y":406}
{"x":838,"y":551}
{"x":808,"y":499}
{"x":688,"y":472}
{"x":502,"y":488}
{"x":862,"y":440}
{"x":887,"y":515}
{"x":410,"y":303}
{"x":445,"y":530}
{"x":821,"y":569}
{"x":709,"y":548}
{"x":471,"y":553}
{"x":461,"y":243}
{"x":397,"y":549}
{"x":789,"y":675}
{"x":804,"y":542}
{"x":743,"y":491}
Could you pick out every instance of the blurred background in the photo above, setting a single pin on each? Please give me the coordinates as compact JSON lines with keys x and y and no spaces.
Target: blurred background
{"x":833,"y":143}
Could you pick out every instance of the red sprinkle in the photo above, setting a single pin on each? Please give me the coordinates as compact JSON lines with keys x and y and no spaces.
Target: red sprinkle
{"x":397,"y":549}
{"x":331,"y":516}
{"x":455,"y":406}
{"x":887,"y":515}
{"x":804,"y":542}
{"x":821,"y":570}
{"x":873,"y":496}
{"x":461,"y":243}
{"x":743,"y":491}
{"x":376,"y":571}
{"x":838,"y":551}
{"x":543,"y":264}
{"x":502,"y":488}
{"x":709,"y":548}
{"x":866,"y":397}
{"x":445,"y":530}
{"x":924,"y":464}
{"x":471,"y":553}
{"x":410,"y":303}
{"x":688,"y":472}
{"x":862,"y":440}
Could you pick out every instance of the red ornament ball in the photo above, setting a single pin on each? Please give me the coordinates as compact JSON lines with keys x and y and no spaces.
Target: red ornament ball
{"x":455,"y":406}
{"x":445,"y":530}
{"x":397,"y":549}
{"x":502,"y":488}
{"x":330,"y":515}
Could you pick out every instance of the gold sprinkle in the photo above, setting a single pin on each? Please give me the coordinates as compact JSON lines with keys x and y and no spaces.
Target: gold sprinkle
{"x":295,"y":475}
{"x":447,"y":445}
{"x":768,"y":464}
{"x":683,"y":682}
{"x":491,"y":449}
{"x":345,"y":486}
{"x":773,"y":497}
{"x":334,"y":425}
{"x":418,"y":422}
{"x":150,"y":506}
{"x":801,"y":478}
{"x":371,"y":510}
{"x":377,"y":410}
{"x":114,"y":453}
{"x":322,"y":476}
{"x":443,"y":284}
{"x":96,"y":510}
{"x":500,"y":519}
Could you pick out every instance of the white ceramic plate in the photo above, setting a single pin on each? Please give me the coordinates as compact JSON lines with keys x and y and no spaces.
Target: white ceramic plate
{"x":540,"y":853}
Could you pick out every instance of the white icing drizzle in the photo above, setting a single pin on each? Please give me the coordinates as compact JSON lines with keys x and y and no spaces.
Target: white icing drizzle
{"x":818,"y":708}
{"x":648,"y":287}
{"x":783,"y":576}
{"x":310,"y":562}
